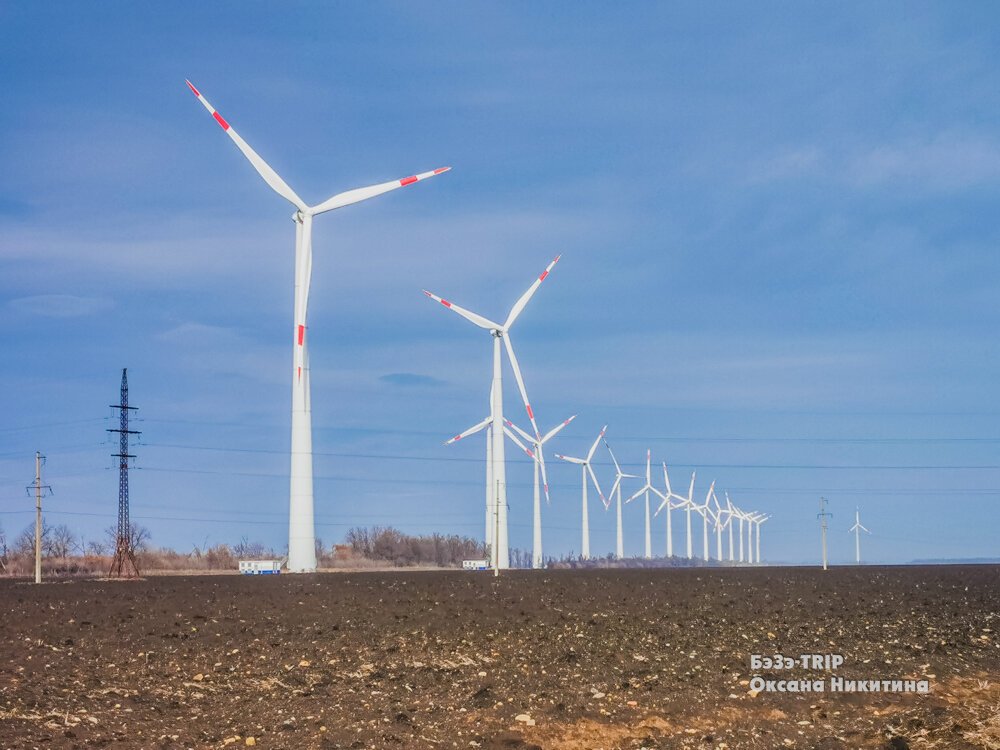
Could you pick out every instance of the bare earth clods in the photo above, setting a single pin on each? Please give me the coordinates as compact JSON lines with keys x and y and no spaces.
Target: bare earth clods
{"x":561,"y":660}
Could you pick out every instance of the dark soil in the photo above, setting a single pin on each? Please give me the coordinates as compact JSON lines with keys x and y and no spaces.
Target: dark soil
{"x":560,"y":660}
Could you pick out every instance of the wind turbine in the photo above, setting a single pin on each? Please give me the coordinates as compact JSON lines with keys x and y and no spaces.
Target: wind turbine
{"x":586,"y":469}
{"x":617,"y":486}
{"x":486,"y":424}
{"x":666,"y":504}
{"x":500,"y":553}
{"x":301,"y":529}
{"x":688,"y":507}
{"x":646,"y":489}
{"x":857,"y":528}
{"x":705,"y":512}
{"x":734,"y":512}
{"x":757,"y":520}
{"x":537,"y":443}
{"x":719,"y":526}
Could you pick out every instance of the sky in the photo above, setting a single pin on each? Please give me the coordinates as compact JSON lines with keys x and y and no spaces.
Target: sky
{"x":778,"y":233}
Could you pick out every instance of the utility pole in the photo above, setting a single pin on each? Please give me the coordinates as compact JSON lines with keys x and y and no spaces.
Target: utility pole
{"x":822,"y":516}
{"x":40,"y":489}
{"x":496,"y":534}
{"x":123,"y":563}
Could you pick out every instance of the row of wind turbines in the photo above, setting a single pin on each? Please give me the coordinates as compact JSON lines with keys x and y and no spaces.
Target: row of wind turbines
{"x":301,"y":526}
{"x":497,"y":427}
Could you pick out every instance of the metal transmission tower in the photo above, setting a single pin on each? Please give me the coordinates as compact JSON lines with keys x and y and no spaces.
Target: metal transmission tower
{"x":123,"y":564}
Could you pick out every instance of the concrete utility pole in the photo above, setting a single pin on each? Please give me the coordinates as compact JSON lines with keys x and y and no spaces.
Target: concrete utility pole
{"x":496,"y":537}
{"x":822,"y":516}
{"x":39,"y":489}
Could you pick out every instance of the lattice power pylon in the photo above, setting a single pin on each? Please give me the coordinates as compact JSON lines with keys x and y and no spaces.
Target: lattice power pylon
{"x":123,"y":564}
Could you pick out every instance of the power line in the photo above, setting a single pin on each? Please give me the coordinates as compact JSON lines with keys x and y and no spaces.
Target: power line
{"x":440,"y":435}
{"x":675,"y":464}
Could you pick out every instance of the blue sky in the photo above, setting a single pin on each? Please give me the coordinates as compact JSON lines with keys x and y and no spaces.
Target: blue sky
{"x":778,"y":230}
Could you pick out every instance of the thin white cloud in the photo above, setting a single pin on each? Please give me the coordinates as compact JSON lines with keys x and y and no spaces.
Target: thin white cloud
{"x":946,"y":161}
{"x":60,"y":305}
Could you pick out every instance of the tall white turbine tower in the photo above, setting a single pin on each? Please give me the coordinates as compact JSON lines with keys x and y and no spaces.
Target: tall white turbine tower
{"x":586,"y":468}
{"x":705,"y":512}
{"x":719,"y":524}
{"x":688,"y":507}
{"x":666,"y":504}
{"x":857,"y":528}
{"x":734,"y":513}
{"x":301,"y":530}
{"x":500,"y":550}
{"x":484,"y":425}
{"x":617,"y":487}
{"x":535,"y":455}
{"x":645,"y":490}
{"x":759,"y":521}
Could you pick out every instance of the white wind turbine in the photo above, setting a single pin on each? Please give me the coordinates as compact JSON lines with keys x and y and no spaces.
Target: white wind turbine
{"x":705,"y":512}
{"x":536,"y":443}
{"x":719,"y":524}
{"x":666,"y":504}
{"x":857,"y":528}
{"x":617,"y":487}
{"x":500,"y":551}
{"x":734,"y":512}
{"x":301,"y":529}
{"x":741,"y":516}
{"x":586,"y":469}
{"x":486,"y":424}
{"x":645,"y":490}
{"x":688,"y":505}
{"x":756,"y":519}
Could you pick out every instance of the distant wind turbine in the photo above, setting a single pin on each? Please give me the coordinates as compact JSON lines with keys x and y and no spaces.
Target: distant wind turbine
{"x":617,"y":487}
{"x":857,"y":528}
{"x":586,"y":469}
{"x":645,"y":490}
{"x":536,"y":458}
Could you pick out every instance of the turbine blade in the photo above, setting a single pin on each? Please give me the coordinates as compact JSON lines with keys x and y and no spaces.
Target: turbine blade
{"x":520,"y":385}
{"x":570,"y":459}
{"x":711,"y":491}
{"x":597,"y":486}
{"x":545,"y":478}
{"x":660,"y":508}
{"x":510,"y":434}
{"x":360,"y":194}
{"x":666,"y":478}
{"x":271,"y":177}
{"x":519,"y":305}
{"x":590,"y":453}
{"x":479,"y":320}
{"x":637,"y":493}
{"x":557,"y":429}
{"x":618,"y":469}
{"x":614,"y":487}
{"x":519,"y":431}
{"x":471,"y":431}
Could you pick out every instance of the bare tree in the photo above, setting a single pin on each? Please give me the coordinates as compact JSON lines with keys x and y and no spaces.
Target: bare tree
{"x":97,"y":548}
{"x":24,"y":544}
{"x":247,"y":550}
{"x":139,"y":537}
{"x":61,"y":542}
